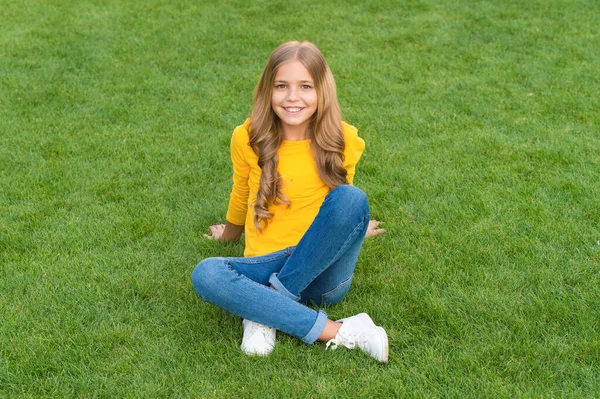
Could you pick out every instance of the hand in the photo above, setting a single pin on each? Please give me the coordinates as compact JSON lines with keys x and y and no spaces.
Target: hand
{"x":216,"y":231}
{"x":372,"y":230}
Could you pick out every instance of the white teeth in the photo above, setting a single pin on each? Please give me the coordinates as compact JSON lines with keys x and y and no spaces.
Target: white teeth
{"x":293,"y":109}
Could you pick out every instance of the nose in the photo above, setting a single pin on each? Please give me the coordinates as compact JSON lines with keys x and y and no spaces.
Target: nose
{"x":292,"y":95}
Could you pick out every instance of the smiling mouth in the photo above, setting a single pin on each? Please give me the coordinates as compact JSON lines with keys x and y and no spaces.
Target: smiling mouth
{"x":293,"y":110}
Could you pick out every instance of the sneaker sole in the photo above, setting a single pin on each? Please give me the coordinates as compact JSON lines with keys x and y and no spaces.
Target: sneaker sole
{"x":257,"y":353}
{"x":386,"y":348}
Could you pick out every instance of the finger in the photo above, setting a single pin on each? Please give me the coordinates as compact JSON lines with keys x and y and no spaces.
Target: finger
{"x":375,"y":232}
{"x":373,"y":224}
{"x":210,"y":237}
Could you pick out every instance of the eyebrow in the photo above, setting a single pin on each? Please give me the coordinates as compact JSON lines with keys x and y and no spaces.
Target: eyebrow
{"x":285,"y":81}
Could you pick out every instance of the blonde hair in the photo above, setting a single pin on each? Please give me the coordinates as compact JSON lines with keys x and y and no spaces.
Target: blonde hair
{"x":325,"y":129}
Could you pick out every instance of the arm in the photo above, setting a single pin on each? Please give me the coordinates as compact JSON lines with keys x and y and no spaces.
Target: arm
{"x":238,"y":199}
{"x":354,"y":147}
{"x":225,"y":232}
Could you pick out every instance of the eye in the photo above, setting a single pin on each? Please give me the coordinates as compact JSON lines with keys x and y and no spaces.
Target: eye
{"x":280,"y":86}
{"x":306,"y":87}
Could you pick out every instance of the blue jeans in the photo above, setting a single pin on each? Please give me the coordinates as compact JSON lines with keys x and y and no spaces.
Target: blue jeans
{"x":318,"y":270}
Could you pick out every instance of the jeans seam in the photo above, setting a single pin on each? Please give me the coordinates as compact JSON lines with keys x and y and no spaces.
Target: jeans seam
{"x":324,"y":295}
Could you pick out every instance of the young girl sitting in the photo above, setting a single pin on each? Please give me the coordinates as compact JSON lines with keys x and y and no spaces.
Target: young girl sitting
{"x":293,"y":166}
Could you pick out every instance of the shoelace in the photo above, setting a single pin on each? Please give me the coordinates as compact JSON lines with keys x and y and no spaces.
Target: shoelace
{"x":334,"y":344}
{"x":349,"y":341}
{"x":261,"y":329}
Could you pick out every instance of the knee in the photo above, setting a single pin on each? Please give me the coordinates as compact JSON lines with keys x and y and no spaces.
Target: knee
{"x":350,"y":199}
{"x":205,"y":275}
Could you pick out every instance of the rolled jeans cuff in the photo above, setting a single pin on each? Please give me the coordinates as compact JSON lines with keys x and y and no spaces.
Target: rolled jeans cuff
{"x":274,"y":281}
{"x":317,"y":328}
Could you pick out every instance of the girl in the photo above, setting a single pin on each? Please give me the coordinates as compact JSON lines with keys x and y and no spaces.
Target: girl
{"x":304,"y":223}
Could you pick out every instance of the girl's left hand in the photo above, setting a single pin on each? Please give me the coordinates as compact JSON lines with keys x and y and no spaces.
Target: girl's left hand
{"x":216,"y":231}
{"x":372,"y":230}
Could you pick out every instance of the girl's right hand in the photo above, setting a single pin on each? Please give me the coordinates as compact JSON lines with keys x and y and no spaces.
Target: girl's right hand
{"x":216,"y":231}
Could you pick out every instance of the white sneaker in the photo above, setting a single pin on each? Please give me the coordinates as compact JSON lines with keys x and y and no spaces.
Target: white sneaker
{"x":258,"y":339}
{"x":360,"y":331}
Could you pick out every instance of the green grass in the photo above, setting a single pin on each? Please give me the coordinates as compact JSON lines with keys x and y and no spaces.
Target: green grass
{"x":483,"y":160}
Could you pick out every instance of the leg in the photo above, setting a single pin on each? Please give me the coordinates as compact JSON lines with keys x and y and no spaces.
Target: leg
{"x":222,"y":282}
{"x":331,"y":245}
{"x":331,"y":286}
{"x":321,"y":267}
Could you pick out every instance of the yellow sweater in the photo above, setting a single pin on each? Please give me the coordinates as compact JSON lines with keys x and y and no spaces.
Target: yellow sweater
{"x":301,"y":184}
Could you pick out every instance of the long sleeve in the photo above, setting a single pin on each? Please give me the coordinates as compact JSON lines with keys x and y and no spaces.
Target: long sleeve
{"x":354,"y":147}
{"x":238,"y":200}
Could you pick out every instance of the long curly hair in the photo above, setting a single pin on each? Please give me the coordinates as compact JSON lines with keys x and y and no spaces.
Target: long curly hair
{"x":325,"y":128}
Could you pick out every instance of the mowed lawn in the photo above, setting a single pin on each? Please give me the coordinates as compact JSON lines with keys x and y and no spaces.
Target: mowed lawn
{"x":482,"y":126}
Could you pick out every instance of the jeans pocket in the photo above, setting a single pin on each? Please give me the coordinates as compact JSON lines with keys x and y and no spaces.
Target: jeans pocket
{"x":338,"y":293}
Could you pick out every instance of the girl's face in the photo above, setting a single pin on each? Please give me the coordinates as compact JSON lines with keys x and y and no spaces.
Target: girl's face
{"x":294,"y":99}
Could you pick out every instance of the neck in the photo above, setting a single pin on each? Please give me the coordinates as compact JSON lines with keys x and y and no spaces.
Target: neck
{"x":295,"y":133}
